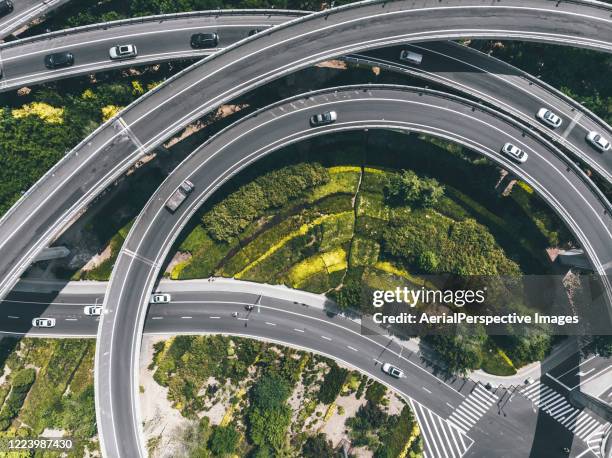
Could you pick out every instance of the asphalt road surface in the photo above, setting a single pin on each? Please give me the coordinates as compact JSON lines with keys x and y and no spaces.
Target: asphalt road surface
{"x":157,"y":39}
{"x":457,"y":416}
{"x":105,"y":155}
{"x":504,"y":87}
{"x":167,"y":37}
{"x":358,"y":108}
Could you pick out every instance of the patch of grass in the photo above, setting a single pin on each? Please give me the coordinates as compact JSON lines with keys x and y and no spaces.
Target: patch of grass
{"x":331,"y":261}
{"x":373,"y":206}
{"x":342,"y":180}
{"x":495,"y":361}
{"x":337,"y":230}
{"x":364,"y":252}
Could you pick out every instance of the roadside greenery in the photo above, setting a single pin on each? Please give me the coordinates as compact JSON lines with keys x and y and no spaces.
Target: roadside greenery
{"x":49,"y":386}
{"x":37,"y":129}
{"x":276,"y":406}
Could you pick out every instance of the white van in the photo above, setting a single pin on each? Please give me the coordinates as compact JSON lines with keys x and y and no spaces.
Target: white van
{"x":412,"y":57}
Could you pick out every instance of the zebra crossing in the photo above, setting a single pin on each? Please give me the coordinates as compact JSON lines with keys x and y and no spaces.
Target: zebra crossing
{"x":580,"y":423}
{"x":472,"y":408}
{"x":441,"y":438}
{"x":595,"y":439}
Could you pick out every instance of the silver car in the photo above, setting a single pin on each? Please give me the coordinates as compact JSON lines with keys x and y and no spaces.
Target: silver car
{"x":123,"y":52}
{"x":323,"y":119}
{"x":598,"y":141}
{"x":549,"y":118}
{"x":43,"y":322}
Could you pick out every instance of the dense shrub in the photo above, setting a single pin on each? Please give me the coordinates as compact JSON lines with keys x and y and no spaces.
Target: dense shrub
{"x":407,"y":188}
{"x":332,"y":384}
{"x":21,"y":382}
{"x":232,"y":215}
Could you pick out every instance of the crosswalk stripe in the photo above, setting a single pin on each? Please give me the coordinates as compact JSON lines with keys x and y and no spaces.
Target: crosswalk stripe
{"x":448,"y":442}
{"x":430,"y":432}
{"x":559,"y":409}
{"x":482,"y":390}
{"x":452,"y":433}
{"x":567,"y":421}
{"x":464,"y":417}
{"x":546,"y":398}
{"x":477,"y":409}
{"x":442,"y":438}
{"x":531,"y":388}
{"x":590,"y":426}
{"x":561,"y":400}
{"x":470,"y":414}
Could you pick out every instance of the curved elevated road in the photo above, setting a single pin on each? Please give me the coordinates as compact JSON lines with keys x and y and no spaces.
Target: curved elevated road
{"x":157,"y":38}
{"x":24,"y":12}
{"x":39,"y":216}
{"x":407,"y":110}
{"x":504,"y":87}
{"x":166,"y":37}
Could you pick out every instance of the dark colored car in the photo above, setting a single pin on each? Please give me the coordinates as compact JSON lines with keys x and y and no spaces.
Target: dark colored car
{"x":59,"y":60}
{"x":6,"y":7}
{"x":254,"y":31}
{"x":204,"y":40}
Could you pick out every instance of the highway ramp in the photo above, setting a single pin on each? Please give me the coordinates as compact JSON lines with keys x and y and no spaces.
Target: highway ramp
{"x":359,"y":108}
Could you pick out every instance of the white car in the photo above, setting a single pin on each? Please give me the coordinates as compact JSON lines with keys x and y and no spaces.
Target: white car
{"x":392,"y":370}
{"x":160,"y":298}
{"x":598,"y":141}
{"x":92,"y":310}
{"x":549,"y":118}
{"x":412,"y":57}
{"x":43,"y":322}
{"x":123,"y":52}
{"x":514,"y":152}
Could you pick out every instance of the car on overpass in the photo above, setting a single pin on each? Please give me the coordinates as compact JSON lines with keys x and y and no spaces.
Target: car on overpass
{"x":549,"y":118}
{"x":514,"y":152}
{"x":6,"y":7}
{"x":204,"y":40}
{"x":322,"y":119}
{"x":598,"y":141}
{"x":122,"y":52}
{"x":59,"y":60}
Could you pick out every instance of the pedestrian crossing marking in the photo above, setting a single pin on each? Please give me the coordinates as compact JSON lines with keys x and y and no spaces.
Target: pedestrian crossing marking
{"x":472,"y":408}
{"x":580,"y":423}
{"x":442,"y":439}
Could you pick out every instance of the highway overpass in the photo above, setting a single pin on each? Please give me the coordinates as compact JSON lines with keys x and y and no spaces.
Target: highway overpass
{"x":359,"y":108}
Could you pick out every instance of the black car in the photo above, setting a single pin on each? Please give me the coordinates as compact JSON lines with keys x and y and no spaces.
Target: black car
{"x":204,"y":40}
{"x":59,"y":60}
{"x":6,"y":7}
{"x":254,"y":31}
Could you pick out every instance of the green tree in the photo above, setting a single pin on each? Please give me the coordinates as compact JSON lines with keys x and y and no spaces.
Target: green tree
{"x":318,"y":447}
{"x":407,"y":188}
{"x":332,"y":384}
{"x":223,"y":440}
